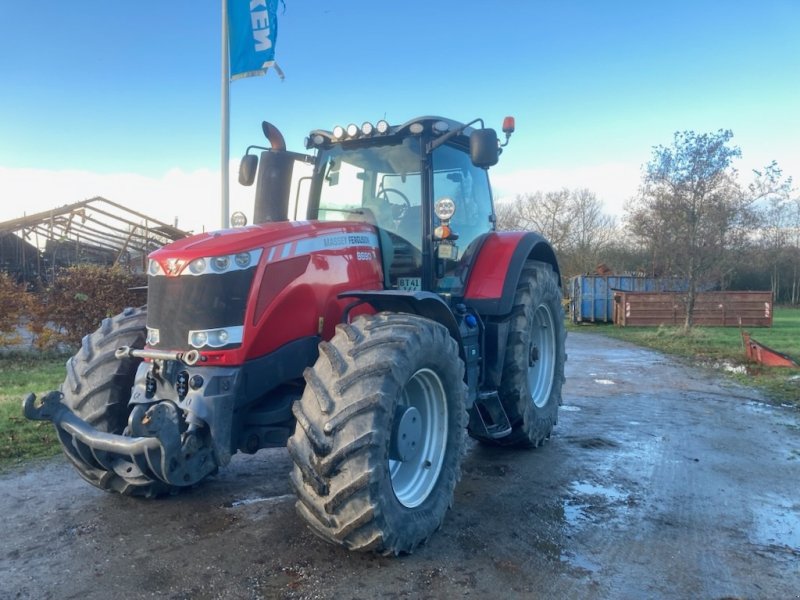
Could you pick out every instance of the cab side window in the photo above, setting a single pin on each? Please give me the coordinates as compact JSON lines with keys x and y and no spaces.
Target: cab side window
{"x":457,"y":178}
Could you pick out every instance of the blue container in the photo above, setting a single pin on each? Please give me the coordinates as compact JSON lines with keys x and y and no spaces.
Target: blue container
{"x":592,"y":296}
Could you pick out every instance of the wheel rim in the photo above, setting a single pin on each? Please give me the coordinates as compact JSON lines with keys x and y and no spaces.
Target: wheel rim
{"x":414,"y":478}
{"x":542,"y":356}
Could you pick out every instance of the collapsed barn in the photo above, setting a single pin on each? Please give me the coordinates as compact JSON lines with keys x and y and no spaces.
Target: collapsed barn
{"x":93,"y":231}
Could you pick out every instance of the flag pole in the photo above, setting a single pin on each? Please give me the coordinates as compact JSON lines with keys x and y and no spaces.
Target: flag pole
{"x":226,"y":121}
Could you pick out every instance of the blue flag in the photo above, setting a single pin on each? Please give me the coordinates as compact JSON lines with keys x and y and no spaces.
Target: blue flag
{"x":252,"y":31}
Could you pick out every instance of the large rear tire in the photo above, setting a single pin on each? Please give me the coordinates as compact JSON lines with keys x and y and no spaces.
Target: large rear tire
{"x":377,"y":451}
{"x":533,"y":369}
{"x":97,"y":389}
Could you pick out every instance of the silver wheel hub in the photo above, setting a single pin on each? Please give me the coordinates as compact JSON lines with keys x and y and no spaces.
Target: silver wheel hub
{"x":407,"y":433}
{"x":419,"y":438}
{"x":542,"y":356}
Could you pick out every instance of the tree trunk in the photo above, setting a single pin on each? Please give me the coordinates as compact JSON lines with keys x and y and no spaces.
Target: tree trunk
{"x":690,"y":296}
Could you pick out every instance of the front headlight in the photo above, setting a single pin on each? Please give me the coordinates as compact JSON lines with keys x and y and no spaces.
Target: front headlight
{"x":223,"y":264}
{"x":216,"y":338}
{"x":154,"y":268}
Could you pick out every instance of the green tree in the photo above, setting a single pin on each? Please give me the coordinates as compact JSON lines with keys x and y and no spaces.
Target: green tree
{"x":691,"y":213}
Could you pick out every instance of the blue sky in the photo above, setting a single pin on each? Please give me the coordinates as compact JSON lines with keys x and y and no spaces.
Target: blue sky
{"x":123,"y":99}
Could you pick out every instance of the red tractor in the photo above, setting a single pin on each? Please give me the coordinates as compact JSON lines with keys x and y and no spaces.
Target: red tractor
{"x":366,"y":338}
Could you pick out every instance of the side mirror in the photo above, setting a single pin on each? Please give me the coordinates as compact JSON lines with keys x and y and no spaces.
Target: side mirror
{"x":247,"y":169}
{"x":484,"y":148}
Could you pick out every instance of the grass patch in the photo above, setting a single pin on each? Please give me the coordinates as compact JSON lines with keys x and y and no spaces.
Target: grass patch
{"x":714,"y":345}
{"x":21,"y":439}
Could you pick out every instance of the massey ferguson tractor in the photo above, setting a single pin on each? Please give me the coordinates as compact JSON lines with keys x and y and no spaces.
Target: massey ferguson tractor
{"x":364,"y":324}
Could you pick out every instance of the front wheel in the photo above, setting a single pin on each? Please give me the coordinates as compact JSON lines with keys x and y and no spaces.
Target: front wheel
{"x":377,"y":451}
{"x":97,"y":389}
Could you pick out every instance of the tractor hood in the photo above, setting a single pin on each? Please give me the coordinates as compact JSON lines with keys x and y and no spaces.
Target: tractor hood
{"x":227,"y":242}
{"x":238,"y":294}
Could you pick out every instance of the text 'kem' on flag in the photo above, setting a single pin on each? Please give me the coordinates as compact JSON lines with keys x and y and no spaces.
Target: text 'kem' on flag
{"x":252,"y":31}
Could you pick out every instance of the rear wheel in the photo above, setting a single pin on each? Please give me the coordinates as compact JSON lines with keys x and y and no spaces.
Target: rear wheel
{"x":97,"y":389}
{"x":377,"y":450}
{"x":533,"y":370}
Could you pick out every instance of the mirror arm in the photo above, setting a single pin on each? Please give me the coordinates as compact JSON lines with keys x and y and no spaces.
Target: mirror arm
{"x":449,"y":135}
{"x":246,"y":152}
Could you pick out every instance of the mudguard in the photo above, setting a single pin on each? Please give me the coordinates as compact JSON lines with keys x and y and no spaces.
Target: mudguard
{"x":424,"y":304}
{"x":496,"y":270}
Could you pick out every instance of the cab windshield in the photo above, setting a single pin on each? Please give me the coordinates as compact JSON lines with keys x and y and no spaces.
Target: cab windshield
{"x":380,"y":185}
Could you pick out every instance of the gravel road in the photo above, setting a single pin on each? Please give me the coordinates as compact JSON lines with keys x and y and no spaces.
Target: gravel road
{"x":661,"y":481}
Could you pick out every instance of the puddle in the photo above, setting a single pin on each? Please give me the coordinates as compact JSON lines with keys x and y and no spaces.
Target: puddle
{"x":579,"y":561}
{"x":777,"y":524}
{"x":268,"y":499}
{"x":584,"y":488}
{"x":604,"y":381}
{"x":780,"y":416}
{"x":730,"y":367}
{"x":590,"y":501}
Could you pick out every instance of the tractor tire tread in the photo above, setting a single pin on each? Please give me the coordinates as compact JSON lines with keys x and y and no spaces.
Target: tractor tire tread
{"x":340,"y":448}
{"x":97,"y":389}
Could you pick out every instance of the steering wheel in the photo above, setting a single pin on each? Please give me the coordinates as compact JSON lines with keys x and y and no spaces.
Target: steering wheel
{"x":398,"y":210}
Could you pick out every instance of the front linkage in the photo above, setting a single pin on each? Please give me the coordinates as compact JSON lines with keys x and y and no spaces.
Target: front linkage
{"x":140,"y":427}
{"x":154,"y":448}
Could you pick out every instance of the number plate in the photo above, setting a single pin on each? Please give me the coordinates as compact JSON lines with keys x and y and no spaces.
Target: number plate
{"x":409,"y":284}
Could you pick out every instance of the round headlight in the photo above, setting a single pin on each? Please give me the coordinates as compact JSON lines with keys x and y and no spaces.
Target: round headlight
{"x":366,"y":128}
{"x":440,"y":127}
{"x":382,"y":126}
{"x":242,"y":260}
{"x":352,"y":130}
{"x":197,"y":266}
{"x":198,"y":339}
{"x":220,"y":338}
{"x":238,"y":219}
{"x":445,"y":208}
{"x":338,"y":132}
{"x":220,"y":263}
{"x":416,"y":128}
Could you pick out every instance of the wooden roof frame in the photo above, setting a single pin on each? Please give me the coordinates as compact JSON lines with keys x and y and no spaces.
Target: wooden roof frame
{"x":97,"y":223}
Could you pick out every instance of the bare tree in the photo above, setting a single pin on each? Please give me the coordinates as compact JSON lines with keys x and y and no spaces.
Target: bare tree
{"x":691,"y":211}
{"x":546,"y":213}
{"x":572,"y":220}
{"x":591,"y":230}
{"x":779,"y":216}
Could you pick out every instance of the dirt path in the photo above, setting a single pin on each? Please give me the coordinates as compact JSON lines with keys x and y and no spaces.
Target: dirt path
{"x":661,"y":481}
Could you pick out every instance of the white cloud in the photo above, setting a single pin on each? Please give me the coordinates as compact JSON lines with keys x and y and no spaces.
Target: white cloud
{"x":614,"y":183}
{"x":191,"y":197}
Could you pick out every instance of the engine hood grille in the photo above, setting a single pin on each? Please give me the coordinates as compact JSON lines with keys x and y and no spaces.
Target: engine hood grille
{"x":177,"y":305}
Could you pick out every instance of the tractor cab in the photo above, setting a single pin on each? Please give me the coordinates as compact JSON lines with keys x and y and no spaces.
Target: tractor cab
{"x":423,"y":185}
